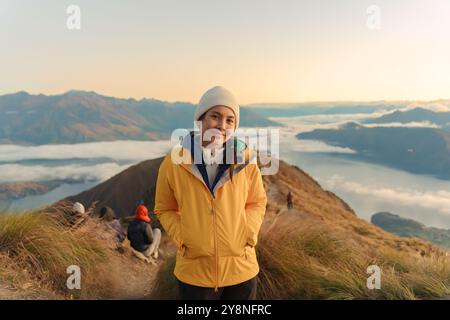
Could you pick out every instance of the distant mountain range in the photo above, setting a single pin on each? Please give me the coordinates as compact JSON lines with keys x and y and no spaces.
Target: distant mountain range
{"x":79,"y":116}
{"x":16,"y":190}
{"x":441,"y":119}
{"x":417,"y":150}
{"x":10,"y":191}
{"x":330,"y":108}
{"x":410,"y":228}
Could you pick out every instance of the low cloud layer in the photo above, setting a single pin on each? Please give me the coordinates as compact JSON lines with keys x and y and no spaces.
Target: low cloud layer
{"x":115,"y":150}
{"x":289,"y":140}
{"x":439,"y":200}
{"x":327,"y":118}
{"x":316,"y":146}
{"x":422,"y":124}
{"x":100,"y":172}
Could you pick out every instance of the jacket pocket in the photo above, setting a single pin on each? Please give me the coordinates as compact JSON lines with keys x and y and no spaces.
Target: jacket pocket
{"x":182,"y":250}
{"x":249,"y":252}
{"x":249,"y":240}
{"x":197,"y":237}
{"x":193,"y":253}
{"x":197,"y":244}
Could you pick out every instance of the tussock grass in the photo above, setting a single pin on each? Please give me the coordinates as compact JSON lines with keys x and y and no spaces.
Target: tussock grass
{"x":166,"y":286}
{"x":310,"y":261}
{"x":40,"y":246}
{"x":301,"y":261}
{"x":297,"y":261}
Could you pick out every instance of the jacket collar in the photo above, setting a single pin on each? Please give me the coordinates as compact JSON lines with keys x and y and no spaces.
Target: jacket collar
{"x":191,"y":145}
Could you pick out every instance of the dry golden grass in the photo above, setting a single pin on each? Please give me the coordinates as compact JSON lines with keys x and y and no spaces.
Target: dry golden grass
{"x":310,"y":261}
{"x":318,"y":250}
{"x":37,"y":248}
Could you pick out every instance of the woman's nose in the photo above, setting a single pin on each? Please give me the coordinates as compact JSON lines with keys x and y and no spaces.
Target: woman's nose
{"x":222,"y":124}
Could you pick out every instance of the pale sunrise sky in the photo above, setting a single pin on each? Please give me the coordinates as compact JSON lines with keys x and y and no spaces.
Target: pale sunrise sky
{"x":263,"y":51}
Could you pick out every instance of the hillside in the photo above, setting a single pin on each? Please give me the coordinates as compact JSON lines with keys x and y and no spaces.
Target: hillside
{"x":78,"y":116}
{"x":17,"y":190}
{"x":36,"y":249}
{"x":313,"y":203}
{"x":411,"y":228}
{"x":123,"y":191}
{"x":319,"y":249}
{"x":417,"y":150}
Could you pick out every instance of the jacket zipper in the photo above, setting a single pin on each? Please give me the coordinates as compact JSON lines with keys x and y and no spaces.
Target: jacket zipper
{"x":216,"y":289}
{"x":216,"y":251}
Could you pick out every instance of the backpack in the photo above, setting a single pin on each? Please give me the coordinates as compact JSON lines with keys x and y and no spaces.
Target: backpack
{"x":137,"y":234}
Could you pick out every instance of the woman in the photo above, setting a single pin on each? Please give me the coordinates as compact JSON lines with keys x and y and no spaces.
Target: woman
{"x":142,"y":237}
{"x":112,"y":221}
{"x":213,"y":209}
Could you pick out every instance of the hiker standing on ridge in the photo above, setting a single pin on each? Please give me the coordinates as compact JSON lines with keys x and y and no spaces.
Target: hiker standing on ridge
{"x":289,"y":200}
{"x":142,"y":237}
{"x":213,"y":209}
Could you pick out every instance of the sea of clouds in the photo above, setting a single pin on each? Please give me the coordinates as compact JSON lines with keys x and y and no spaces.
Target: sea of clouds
{"x":438,"y":200}
{"x":113,"y":157}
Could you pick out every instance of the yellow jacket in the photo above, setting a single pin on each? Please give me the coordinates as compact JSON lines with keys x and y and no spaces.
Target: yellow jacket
{"x":215,"y":232}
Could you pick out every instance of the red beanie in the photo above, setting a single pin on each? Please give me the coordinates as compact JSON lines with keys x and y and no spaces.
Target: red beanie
{"x":142,"y":213}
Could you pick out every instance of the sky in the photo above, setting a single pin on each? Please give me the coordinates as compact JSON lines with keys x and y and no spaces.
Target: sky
{"x":262,"y":51}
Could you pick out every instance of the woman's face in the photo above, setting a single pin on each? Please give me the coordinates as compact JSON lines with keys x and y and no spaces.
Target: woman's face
{"x":218,"y":125}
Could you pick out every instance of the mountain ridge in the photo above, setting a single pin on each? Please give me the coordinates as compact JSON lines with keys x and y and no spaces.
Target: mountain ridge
{"x":441,"y":119}
{"x":312,"y":204}
{"x":80,"y":116}
{"x":410,"y":228}
{"x":417,"y":150}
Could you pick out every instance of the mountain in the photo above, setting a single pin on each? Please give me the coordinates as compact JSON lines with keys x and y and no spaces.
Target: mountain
{"x":417,"y":150}
{"x":306,"y":109}
{"x":411,"y":228}
{"x":16,"y":190}
{"x":319,"y":249}
{"x":123,"y":191}
{"x":79,"y":116}
{"x":312,"y":204}
{"x":415,"y":115}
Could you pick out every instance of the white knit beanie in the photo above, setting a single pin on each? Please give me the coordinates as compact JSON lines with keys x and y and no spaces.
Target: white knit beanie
{"x":78,"y":208}
{"x":217,"y":96}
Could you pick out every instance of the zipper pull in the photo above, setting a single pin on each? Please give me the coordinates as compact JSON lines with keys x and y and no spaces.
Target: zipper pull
{"x":216,"y":289}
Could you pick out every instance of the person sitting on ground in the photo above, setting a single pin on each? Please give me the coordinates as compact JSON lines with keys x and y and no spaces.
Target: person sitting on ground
{"x":109,"y":216}
{"x":78,"y":209}
{"x":78,"y":214}
{"x":142,"y":237}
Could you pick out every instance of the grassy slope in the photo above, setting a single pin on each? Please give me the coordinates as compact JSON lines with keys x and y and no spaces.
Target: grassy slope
{"x":37,"y":248}
{"x":318,"y":250}
{"x":321,"y":250}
